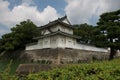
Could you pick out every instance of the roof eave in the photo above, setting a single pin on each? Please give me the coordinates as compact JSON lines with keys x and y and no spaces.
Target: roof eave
{"x":58,"y":32}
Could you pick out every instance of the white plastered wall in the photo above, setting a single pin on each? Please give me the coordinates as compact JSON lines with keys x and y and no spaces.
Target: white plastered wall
{"x":66,"y":21}
{"x":61,"y":28}
{"x":61,"y":41}
{"x":40,"y":43}
{"x":32,"y":47}
{"x":45,"y":31}
{"x":89,"y":48}
{"x":54,"y":41}
{"x":46,"y":42}
{"x":70,"y":42}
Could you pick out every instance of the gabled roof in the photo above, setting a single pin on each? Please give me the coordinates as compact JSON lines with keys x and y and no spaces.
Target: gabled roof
{"x":58,"y":21}
{"x":60,"y":33}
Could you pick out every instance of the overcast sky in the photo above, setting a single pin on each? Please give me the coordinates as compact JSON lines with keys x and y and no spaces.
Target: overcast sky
{"x":42,"y":11}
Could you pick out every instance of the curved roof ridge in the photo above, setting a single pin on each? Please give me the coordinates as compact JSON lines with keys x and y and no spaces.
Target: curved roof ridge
{"x":59,"y":20}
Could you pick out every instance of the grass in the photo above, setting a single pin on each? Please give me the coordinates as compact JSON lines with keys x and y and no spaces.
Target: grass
{"x":13,"y":67}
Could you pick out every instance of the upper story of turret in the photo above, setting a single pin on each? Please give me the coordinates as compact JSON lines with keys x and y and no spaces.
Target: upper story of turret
{"x":61,"y":24}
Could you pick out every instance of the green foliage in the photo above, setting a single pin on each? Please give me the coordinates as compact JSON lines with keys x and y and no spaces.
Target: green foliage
{"x":19,"y":36}
{"x":12,"y":64}
{"x":107,"y":70}
{"x":84,"y":31}
{"x":1,"y":48}
{"x":5,"y":75}
{"x":109,"y":29}
{"x":108,"y":32}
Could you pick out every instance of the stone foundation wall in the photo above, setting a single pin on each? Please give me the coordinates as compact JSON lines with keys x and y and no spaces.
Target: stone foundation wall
{"x":77,"y":56}
{"x":63,"y":56}
{"x":42,"y":54}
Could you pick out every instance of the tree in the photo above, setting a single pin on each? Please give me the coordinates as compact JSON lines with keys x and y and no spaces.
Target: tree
{"x":107,"y":33}
{"x":1,"y":49}
{"x":20,"y":35}
{"x":84,"y":31}
{"x":7,"y":41}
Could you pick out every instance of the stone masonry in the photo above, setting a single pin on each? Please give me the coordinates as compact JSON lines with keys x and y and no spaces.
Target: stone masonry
{"x":63,"y":56}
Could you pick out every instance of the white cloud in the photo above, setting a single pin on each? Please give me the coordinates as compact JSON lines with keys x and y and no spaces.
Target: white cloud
{"x":25,"y":11}
{"x":82,"y":11}
{"x":78,"y":11}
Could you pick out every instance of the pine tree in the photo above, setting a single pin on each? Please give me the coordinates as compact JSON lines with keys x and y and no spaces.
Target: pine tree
{"x":107,"y":33}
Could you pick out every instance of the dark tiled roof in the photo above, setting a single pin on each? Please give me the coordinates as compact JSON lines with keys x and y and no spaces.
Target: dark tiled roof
{"x":58,"y":21}
{"x":60,"y":33}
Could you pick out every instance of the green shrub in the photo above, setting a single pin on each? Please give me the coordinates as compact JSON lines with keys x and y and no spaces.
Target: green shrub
{"x":106,"y":70}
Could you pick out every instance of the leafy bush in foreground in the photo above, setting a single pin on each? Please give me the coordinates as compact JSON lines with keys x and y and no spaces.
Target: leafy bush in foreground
{"x":94,"y":71}
{"x":106,"y":70}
